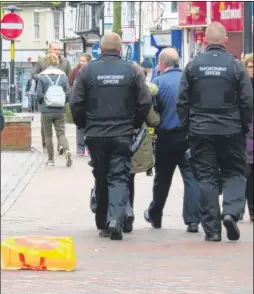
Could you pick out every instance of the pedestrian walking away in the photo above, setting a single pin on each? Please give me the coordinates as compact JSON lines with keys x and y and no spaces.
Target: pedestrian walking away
{"x":109,"y":100}
{"x":170,"y":146}
{"x":80,"y":136}
{"x":248,"y":63}
{"x":41,"y":65}
{"x":52,"y":94}
{"x":142,"y":161}
{"x":216,"y":105}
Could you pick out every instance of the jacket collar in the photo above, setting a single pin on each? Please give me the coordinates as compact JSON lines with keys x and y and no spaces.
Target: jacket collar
{"x":110,"y":54}
{"x":216,"y":47}
{"x":169,"y":70}
{"x":52,"y":70}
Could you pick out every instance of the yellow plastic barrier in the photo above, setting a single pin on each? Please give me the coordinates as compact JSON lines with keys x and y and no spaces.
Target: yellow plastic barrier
{"x":38,"y":253}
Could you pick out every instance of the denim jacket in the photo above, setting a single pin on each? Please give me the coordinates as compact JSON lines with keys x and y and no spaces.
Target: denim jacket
{"x":44,"y":83}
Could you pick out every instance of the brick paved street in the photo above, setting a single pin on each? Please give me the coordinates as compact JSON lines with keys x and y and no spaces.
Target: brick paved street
{"x":17,"y":169}
{"x":56,"y":202}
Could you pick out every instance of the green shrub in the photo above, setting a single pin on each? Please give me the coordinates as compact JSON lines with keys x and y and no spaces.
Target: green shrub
{"x":7,"y":112}
{"x":69,"y":119}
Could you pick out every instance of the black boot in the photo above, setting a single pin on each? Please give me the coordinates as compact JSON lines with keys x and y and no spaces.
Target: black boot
{"x":155,"y":224}
{"x":233,"y":233}
{"x":104,"y":233}
{"x":192,"y":228}
{"x":128,"y":224}
{"x":115,"y":230}
{"x":213,"y":238}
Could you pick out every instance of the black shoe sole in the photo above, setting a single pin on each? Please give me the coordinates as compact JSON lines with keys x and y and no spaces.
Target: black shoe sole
{"x":213,"y":239}
{"x":128,"y":225}
{"x":192,"y":230}
{"x":115,"y":232}
{"x":155,"y":225}
{"x":233,"y":233}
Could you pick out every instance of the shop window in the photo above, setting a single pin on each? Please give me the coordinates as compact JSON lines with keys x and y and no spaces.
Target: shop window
{"x":36,"y":25}
{"x":131,"y":13}
{"x":174,"y":6}
{"x":83,"y":18}
{"x":56,"y":25}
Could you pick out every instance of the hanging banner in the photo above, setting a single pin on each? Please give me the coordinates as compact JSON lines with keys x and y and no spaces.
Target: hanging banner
{"x":228,"y":13}
{"x":192,"y":13}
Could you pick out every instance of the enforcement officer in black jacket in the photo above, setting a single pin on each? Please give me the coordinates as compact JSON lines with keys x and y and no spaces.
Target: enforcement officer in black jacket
{"x":110,"y":99}
{"x":215,"y":104}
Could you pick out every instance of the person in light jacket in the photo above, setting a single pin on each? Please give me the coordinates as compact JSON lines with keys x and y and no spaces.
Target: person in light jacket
{"x":53,"y":115}
{"x":41,"y":65}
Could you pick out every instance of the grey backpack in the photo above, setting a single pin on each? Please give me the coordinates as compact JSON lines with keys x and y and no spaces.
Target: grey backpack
{"x":55,"y":95}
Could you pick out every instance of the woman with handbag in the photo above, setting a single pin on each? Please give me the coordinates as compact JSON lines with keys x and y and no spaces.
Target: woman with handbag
{"x":52,"y":94}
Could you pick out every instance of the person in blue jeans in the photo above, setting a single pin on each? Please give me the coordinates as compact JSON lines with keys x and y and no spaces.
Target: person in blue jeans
{"x":171,"y":146}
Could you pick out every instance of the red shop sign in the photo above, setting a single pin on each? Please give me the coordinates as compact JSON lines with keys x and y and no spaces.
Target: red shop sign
{"x":192,"y":13}
{"x":228,"y":13}
{"x":199,"y":36}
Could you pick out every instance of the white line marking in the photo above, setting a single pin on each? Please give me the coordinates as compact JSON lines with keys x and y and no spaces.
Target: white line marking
{"x":9,"y":26}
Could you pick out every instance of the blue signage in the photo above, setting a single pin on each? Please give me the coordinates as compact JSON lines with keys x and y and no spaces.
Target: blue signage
{"x":128,"y":52}
{"x":131,"y":50}
{"x":96,"y":50}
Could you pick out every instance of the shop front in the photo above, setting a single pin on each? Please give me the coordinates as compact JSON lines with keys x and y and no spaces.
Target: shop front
{"x":24,"y":61}
{"x":74,"y":48}
{"x":166,"y":38}
{"x":192,"y":18}
{"x":230,"y":14}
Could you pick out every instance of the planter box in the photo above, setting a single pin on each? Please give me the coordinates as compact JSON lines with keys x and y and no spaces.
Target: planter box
{"x":17,"y":134}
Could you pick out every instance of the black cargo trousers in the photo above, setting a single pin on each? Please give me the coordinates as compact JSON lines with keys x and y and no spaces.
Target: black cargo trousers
{"x":112,"y":164}
{"x":209,"y":154}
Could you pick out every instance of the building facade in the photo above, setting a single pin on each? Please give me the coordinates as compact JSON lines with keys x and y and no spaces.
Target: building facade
{"x":157,"y":18}
{"x":194,"y":16}
{"x":42,"y":25}
{"x":78,"y":25}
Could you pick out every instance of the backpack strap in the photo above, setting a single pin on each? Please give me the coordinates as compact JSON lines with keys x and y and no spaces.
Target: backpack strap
{"x":56,"y":83}
{"x":52,"y":83}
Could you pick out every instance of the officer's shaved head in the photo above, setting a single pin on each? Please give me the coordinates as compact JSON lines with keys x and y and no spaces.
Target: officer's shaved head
{"x":168,"y":58}
{"x":111,"y":42}
{"x":216,"y":34}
